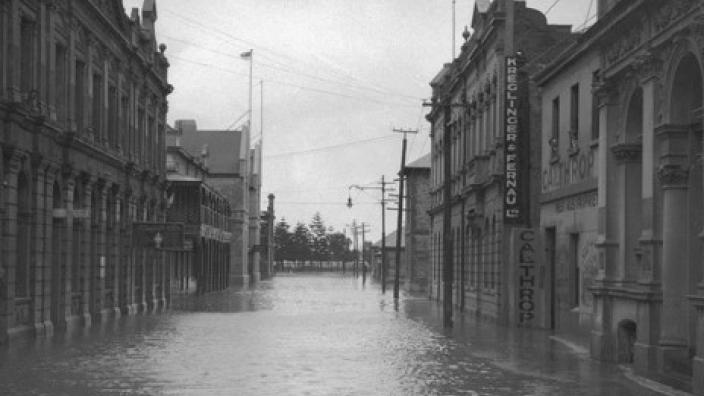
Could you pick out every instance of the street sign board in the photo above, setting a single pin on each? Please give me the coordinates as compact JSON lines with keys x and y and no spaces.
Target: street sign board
{"x":158,"y":235}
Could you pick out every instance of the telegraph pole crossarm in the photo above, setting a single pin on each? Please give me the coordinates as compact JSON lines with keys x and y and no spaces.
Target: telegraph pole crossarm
{"x":399,"y":219}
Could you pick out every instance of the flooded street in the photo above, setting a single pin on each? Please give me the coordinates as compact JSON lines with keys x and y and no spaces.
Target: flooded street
{"x":304,"y":334}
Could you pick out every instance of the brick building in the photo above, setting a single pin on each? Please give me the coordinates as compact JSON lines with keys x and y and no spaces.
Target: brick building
{"x":83,"y":106}
{"x":493,"y":184}
{"x":234,"y":171}
{"x":204,"y":264}
{"x":417,"y":229}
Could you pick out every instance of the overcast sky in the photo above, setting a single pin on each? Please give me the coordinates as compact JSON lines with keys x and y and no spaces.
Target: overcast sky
{"x":338,"y":76}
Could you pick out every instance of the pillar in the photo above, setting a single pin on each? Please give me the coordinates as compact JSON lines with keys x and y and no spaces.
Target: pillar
{"x":99,"y":261}
{"x":607,"y":246}
{"x":673,"y":335}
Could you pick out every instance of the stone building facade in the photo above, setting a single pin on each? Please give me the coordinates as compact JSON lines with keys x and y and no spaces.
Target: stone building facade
{"x":417,"y":228}
{"x":645,"y":60}
{"x":203,"y":264}
{"x":568,"y":192}
{"x":234,"y":171}
{"x":469,"y":108}
{"x":83,"y":106}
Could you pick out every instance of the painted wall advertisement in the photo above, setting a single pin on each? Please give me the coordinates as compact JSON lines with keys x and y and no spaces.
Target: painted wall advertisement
{"x":514,"y":198}
{"x":527,"y":286}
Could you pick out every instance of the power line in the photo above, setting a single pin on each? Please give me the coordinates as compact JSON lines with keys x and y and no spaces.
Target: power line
{"x":287,"y":70}
{"x":302,"y":87}
{"x":251,"y":44}
{"x":551,"y":7}
{"x":336,"y":146}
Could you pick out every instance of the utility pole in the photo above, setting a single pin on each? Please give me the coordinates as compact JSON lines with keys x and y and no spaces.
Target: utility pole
{"x":384,"y":190}
{"x":399,"y":219}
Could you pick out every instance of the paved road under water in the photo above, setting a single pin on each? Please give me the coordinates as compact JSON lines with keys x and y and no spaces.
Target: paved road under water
{"x":305,"y":334}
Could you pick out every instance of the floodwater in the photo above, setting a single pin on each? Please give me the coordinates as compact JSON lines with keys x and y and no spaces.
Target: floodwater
{"x":304,"y":334}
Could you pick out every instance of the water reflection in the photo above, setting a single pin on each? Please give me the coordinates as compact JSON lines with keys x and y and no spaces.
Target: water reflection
{"x":303,"y":335}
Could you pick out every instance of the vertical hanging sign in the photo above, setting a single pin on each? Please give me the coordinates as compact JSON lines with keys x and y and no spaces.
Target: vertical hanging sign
{"x":512,"y":146}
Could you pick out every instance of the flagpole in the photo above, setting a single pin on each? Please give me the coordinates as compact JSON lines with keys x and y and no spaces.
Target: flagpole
{"x":251,"y":62}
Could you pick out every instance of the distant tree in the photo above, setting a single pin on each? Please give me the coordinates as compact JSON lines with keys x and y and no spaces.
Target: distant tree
{"x":300,"y":241}
{"x":283,"y":241}
{"x":319,"y":246}
{"x":338,"y":244}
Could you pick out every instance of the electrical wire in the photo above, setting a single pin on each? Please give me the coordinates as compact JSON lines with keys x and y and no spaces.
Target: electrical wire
{"x":551,"y":7}
{"x":336,"y":146}
{"x":211,"y":29}
{"x":302,"y":87}
{"x":286,"y":70}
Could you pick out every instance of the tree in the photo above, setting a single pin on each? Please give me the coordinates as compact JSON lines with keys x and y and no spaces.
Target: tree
{"x":319,"y":246}
{"x":338,"y":244}
{"x":300,"y":241}
{"x":283,"y":241}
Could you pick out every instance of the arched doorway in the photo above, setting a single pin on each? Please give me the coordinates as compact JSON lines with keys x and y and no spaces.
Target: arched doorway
{"x":626,"y":338}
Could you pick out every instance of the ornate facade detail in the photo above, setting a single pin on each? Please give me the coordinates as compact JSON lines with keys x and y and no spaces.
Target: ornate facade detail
{"x":627,"y":152}
{"x":671,"y":11}
{"x":673,"y":176}
{"x":623,"y":44}
{"x":646,"y":65}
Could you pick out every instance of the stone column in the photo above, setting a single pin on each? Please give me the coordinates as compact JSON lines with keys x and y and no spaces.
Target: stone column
{"x":99,"y":261}
{"x":115,"y":259}
{"x":13,"y":52}
{"x":39,"y":259}
{"x":86,"y":259}
{"x":13,"y":163}
{"x":673,"y":335}
{"x":68,"y":255}
{"x":606,"y":243}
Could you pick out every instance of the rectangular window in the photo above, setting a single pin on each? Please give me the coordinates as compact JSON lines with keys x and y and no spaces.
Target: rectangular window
{"x":26,"y":56}
{"x":97,"y":105}
{"x":595,"y":109}
{"x":556,"y":120}
{"x":140,"y":133}
{"x":124,"y":123}
{"x":112,"y":116}
{"x":574,"y":112}
{"x":78,"y":95}
{"x":60,"y":81}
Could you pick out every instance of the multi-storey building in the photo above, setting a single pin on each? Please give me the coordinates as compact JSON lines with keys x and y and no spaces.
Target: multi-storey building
{"x":568,"y":195}
{"x":83,"y":107}
{"x":234,"y":170}
{"x":640,"y":236}
{"x":204,"y":263}
{"x":484,"y":119}
{"x":417,"y":229}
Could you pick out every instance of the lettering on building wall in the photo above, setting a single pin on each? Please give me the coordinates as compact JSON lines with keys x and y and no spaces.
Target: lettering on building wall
{"x":588,"y":200}
{"x":513,"y":199}
{"x":527,"y":277}
{"x":573,"y":170}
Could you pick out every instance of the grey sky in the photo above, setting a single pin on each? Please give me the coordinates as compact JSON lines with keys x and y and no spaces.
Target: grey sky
{"x":338,"y":76}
